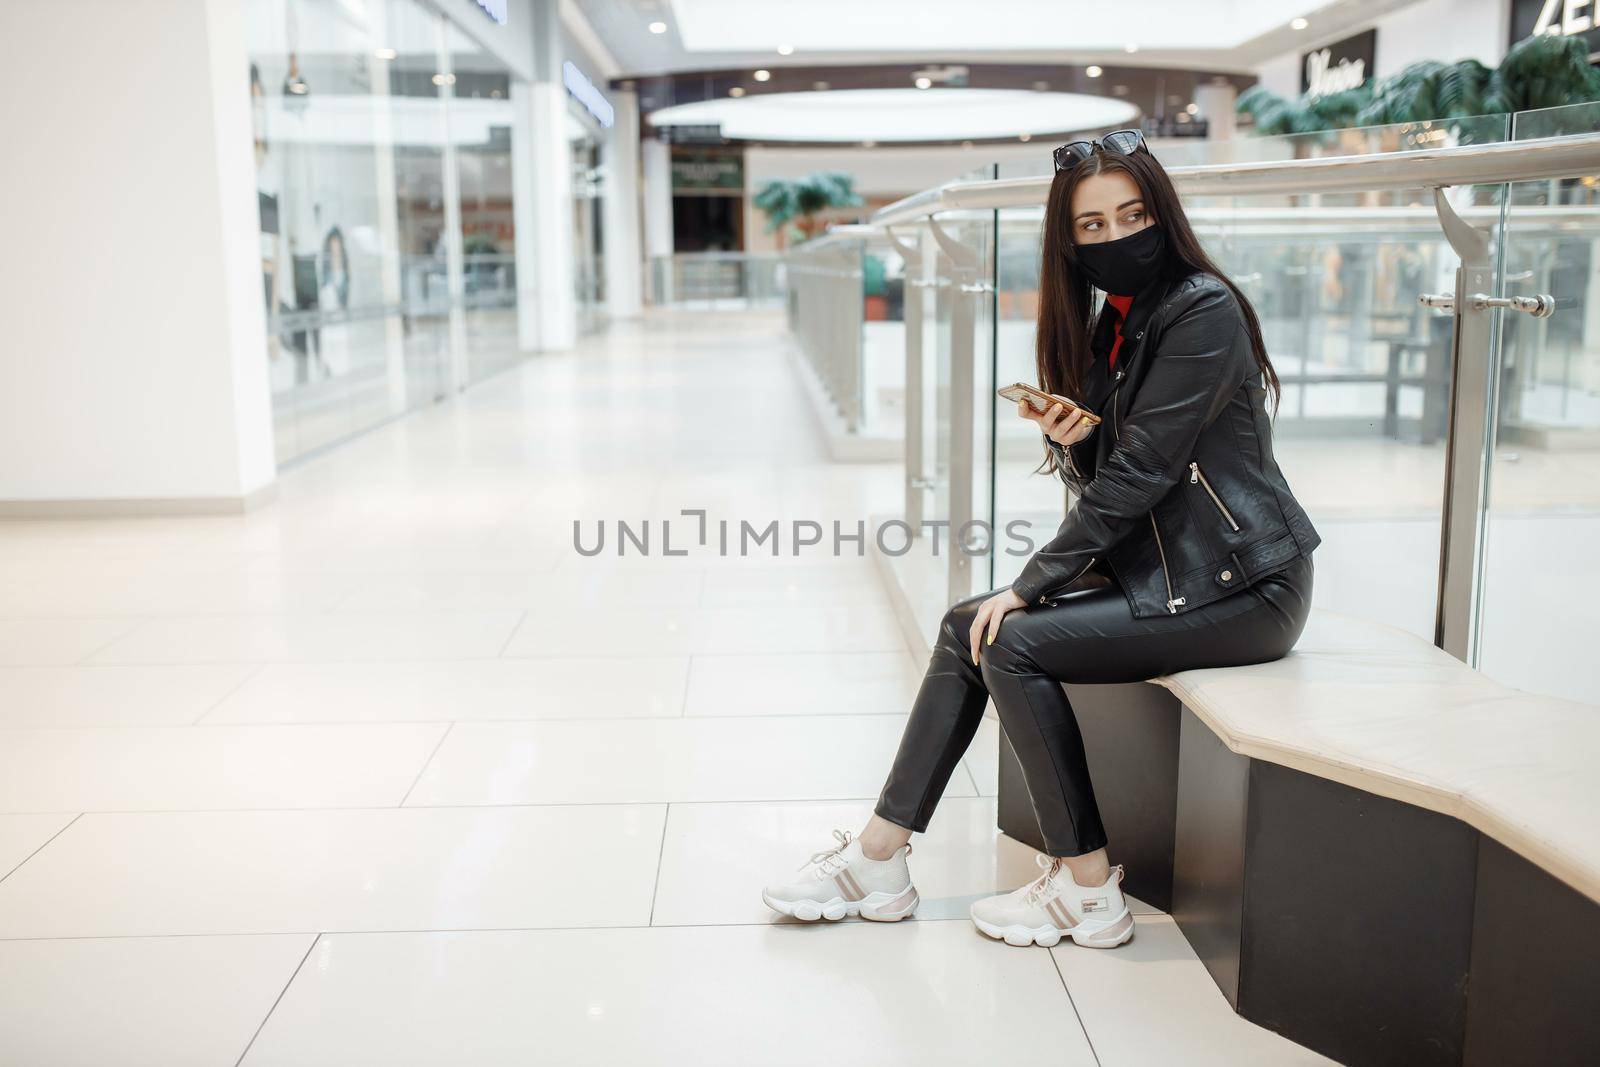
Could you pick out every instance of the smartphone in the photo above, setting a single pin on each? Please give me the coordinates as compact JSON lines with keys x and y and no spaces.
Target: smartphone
{"x":1041,"y":401}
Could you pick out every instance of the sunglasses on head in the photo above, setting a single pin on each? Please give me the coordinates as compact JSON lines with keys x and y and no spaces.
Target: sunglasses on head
{"x":1122,"y":142}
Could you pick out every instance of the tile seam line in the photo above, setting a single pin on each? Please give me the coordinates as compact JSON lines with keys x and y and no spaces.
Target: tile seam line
{"x":1075,"y":1012}
{"x":477,"y":807}
{"x":483,"y":658}
{"x":782,"y":925}
{"x":425,"y":765}
{"x":822,"y":717}
{"x":278,"y":1000}
{"x":512,"y":636}
{"x":249,"y":677}
{"x":655,"y":888}
{"x":70,"y":823}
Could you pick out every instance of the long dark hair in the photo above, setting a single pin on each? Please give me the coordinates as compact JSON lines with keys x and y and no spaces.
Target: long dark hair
{"x":1066,"y":307}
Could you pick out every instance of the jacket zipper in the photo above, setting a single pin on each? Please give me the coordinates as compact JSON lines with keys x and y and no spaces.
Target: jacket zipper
{"x":1166,"y":578}
{"x":1045,"y":599}
{"x":1111,"y":397}
{"x":1172,"y":605}
{"x":1066,"y":450}
{"x":1196,"y":476}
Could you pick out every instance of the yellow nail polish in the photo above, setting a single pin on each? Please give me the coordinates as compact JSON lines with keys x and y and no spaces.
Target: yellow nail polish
{"x":991,"y":639}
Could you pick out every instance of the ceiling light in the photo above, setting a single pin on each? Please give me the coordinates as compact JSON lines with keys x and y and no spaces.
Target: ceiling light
{"x":737,"y":90}
{"x":1298,"y":24}
{"x":924,"y":83}
{"x":763,"y":75}
{"x":386,"y":53}
{"x":658,"y":27}
{"x":444,"y":79}
{"x":1093,"y":71}
{"x":1024,"y":136}
{"x":1193,"y":109}
{"x":786,"y":49}
{"x":891,"y":116}
{"x":1130,"y":48}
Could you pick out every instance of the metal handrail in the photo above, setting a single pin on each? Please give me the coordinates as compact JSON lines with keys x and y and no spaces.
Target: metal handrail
{"x":1508,"y":161}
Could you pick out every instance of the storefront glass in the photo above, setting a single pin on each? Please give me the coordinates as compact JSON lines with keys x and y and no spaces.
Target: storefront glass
{"x":383,"y":167}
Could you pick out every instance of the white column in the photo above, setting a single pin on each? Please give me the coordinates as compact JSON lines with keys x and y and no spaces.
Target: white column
{"x":133,"y":374}
{"x":620,"y":190}
{"x":524,"y":135}
{"x":557,"y":309}
{"x":657,"y":159}
{"x":1216,"y":107}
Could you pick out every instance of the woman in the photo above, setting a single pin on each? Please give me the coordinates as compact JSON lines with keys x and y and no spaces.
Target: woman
{"x":1184,"y":549}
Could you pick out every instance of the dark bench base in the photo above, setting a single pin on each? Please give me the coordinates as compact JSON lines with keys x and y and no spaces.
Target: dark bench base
{"x":1368,"y":929}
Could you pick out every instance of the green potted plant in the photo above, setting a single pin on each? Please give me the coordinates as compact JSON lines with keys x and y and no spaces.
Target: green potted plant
{"x":791,"y":207}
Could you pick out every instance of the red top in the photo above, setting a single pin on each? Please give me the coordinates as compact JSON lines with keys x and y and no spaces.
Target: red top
{"x":1121,"y":303}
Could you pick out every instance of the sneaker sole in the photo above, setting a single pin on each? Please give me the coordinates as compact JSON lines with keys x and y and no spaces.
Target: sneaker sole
{"x":878,"y":907}
{"x":1117,"y":932}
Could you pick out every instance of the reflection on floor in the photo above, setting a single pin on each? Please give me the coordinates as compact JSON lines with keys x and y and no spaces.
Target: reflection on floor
{"x":388,"y":773}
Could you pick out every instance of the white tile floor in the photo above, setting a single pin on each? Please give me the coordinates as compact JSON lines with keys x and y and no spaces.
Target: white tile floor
{"x":388,"y":773}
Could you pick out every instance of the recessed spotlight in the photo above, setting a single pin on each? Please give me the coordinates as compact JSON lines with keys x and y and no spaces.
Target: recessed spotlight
{"x":737,"y":90}
{"x":658,"y":27}
{"x":1298,"y":24}
{"x":386,"y":53}
{"x":1130,"y":48}
{"x":444,"y":79}
{"x":819,"y":86}
{"x":1024,"y":136}
{"x":924,"y":83}
{"x":1093,"y":71}
{"x":763,"y":75}
{"x":786,"y":49}
{"x":1193,"y":108}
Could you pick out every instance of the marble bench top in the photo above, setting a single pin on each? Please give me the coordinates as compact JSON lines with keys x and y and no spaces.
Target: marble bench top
{"x":1380,"y":709}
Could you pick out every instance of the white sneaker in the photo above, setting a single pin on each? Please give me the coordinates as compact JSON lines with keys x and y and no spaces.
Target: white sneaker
{"x":842,"y":881}
{"x":1053,"y":906}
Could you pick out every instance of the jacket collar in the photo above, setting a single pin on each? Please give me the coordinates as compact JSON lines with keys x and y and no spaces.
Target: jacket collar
{"x":1099,"y":382}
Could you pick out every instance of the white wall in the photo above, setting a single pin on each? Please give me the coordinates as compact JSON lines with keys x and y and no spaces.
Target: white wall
{"x":133,"y":359}
{"x":623,"y":256}
{"x":1445,"y":30}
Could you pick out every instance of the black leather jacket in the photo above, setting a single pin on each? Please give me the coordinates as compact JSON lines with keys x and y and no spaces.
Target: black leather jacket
{"x":1178,"y":491}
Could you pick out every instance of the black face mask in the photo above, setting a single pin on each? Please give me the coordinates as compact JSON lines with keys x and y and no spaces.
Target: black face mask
{"x":1126,"y":265}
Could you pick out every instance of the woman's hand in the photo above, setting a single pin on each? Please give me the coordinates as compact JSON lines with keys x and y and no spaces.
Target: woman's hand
{"x":1063,"y":425}
{"x":989,"y":615}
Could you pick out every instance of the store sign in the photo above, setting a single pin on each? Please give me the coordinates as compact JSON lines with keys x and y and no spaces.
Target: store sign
{"x":705,"y":172}
{"x":499,"y":10}
{"x":583,"y":90}
{"x":1339,"y":66}
{"x":690,"y":133}
{"x":1556,"y":18}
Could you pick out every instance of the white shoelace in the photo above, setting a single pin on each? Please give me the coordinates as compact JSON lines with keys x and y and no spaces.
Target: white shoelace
{"x":825,"y":860}
{"x":1044,"y":886}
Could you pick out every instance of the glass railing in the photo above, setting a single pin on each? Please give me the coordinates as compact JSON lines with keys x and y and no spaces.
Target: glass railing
{"x":716,"y":281}
{"x":1543,"y":470}
{"x":1373,"y":427}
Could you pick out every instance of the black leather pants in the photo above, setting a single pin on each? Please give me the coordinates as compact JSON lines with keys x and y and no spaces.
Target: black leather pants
{"x":1088,"y":635}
